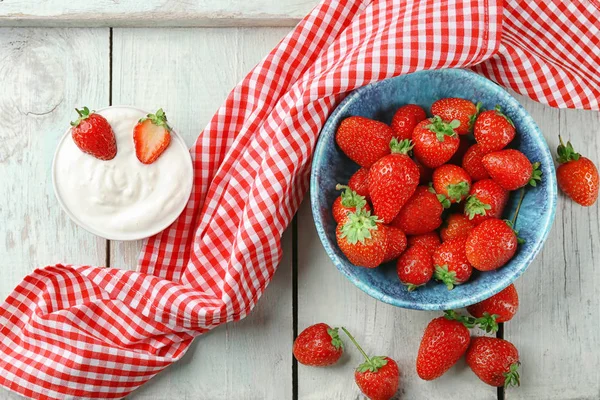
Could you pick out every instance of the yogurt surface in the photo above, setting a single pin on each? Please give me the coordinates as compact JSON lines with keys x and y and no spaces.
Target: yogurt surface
{"x":123,"y":199}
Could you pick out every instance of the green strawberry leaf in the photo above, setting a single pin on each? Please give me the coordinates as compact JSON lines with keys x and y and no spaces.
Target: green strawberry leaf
{"x":441,"y":128}
{"x":373,"y":364}
{"x":456,"y":191}
{"x":444,"y":200}
{"x":536,"y":175}
{"x":511,"y":226}
{"x":84,"y":113}
{"x":335,"y":338}
{"x":512,"y":377}
{"x":473,"y":117}
{"x":474,"y":207}
{"x":411,"y":287}
{"x":442,"y":274}
{"x":350,"y":198}
{"x":500,"y":113}
{"x":159,"y":119}
{"x":566,"y":153}
{"x":358,"y":226}
{"x":401,"y":147}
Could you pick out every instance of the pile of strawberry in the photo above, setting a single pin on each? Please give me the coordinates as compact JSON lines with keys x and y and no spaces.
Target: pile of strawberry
{"x":445,"y":341}
{"x":455,"y":186}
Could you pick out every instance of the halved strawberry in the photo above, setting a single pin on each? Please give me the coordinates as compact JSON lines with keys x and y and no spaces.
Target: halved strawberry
{"x":151,"y":136}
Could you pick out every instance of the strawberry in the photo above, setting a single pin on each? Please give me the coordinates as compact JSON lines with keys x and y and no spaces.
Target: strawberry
{"x":452,"y":181}
{"x":511,"y":169}
{"x":491,"y":244}
{"x":456,"y":226}
{"x":451,"y":264}
{"x":425,"y":174}
{"x":362,"y":239}
{"x":461,"y":110}
{"x":405,"y":119}
{"x":393,"y":180}
{"x":378,"y":377}
{"x":359,"y":182}
{"x":364,"y":140}
{"x":318,"y":345}
{"x":349,"y":201}
{"x":151,"y":136}
{"x":93,"y":135}
{"x":435,"y":141}
{"x":503,"y":305}
{"x":415,"y":267}
{"x":495,"y":361}
{"x":493,"y":130}
{"x":396,"y":243}
{"x":577,"y":176}
{"x":472,"y":163}
{"x":444,"y":342}
{"x":430,"y":241}
{"x":422,"y":213}
{"x":486,"y":200}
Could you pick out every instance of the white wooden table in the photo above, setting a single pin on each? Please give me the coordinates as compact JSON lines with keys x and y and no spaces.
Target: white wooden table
{"x":96,"y":58}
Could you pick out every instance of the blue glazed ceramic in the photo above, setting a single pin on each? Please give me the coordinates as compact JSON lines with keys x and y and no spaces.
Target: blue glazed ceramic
{"x":379,"y":101}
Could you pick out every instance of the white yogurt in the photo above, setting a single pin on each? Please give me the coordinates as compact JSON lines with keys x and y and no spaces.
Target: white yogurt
{"x":122,"y":199}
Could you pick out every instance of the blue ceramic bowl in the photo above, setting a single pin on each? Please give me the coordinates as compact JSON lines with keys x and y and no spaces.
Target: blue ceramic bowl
{"x":379,"y":101}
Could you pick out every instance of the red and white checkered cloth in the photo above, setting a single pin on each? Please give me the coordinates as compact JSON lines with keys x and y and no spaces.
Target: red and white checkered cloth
{"x":97,"y":333}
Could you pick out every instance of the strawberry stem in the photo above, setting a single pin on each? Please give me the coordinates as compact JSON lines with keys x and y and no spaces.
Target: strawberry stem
{"x":372,"y":364}
{"x":514,"y":218}
{"x":487,"y":322}
{"x":350,"y":198}
{"x":512,"y":377}
{"x":367,"y":359}
{"x":401,"y":147}
{"x":566,"y":153}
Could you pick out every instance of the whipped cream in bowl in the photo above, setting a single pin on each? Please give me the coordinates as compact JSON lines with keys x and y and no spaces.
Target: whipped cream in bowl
{"x":122,"y":198}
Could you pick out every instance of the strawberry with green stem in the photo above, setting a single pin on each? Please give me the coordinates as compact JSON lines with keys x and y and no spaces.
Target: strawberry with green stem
{"x":378,"y":377}
{"x":493,"y":130}
{"x":503,"y":305}
{"x":577,"y":176}
{"x":318,"y":345}
{"x":364,"y":140}
{"x":452,"y":181}
{"x":435,"y":141}
{"x":92,"y":133}
{"x":486,"y":200}
{"x":349,"y":201}
{"x":451,"y":264}
{"x":461,"y":110}
{"x":362,"y":238}
{"x":511,"y":169}
{"x":495,"y":361}
{"x":422,"y":213}
{"x":415,"y":267}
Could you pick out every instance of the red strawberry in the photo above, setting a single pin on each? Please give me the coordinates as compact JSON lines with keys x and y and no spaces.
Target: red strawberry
{"x":430,"y":241}
{"x":491,"y":244}
{"x":493,"y":130}
{"x":422,"y":213}
{"x":464,"y":145}
{"x":486,"y":200}
{"x":511,"y":169}
{"x":495,"y":361}
{"x":151,"y":136}
{"x":392,"y":180}
{"x":577,"y":176}
{"x":503,"y":305}
{"x":405,"y":120}
{"x":359,"y":182}
{"x":444,"y":342}
{"x":452,"y":181}
{"x":348,"y":202}
{"x":362,"y":239}
{"x":435,"y":141}
{"x":464,"y":111}
{"x":318,"y":345}
{"x":415,"y":267}
{"x":425,"y":174}
{"x":93,"y":135}
{"x":472,"y":163}
{"x":456,"y":226}
{"x":451,"y":264}
{"x":378,"y":377}
{"x":364,"y":140}
{"x":396,"y":243}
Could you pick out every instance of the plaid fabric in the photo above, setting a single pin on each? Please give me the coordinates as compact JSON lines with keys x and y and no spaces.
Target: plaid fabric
{"x":97,"y":333}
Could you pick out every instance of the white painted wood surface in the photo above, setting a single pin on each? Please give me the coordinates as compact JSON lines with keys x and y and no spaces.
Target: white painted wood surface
{"x":153,"y":13}
{"x":46,"y":72}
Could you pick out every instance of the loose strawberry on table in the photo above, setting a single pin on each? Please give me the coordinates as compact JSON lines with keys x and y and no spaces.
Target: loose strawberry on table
{"x":491,"y":244}
{"x":93,"y":135}
{"x":503,"y":305}
{"x":429,"y":240}
{"x":495,"y":361}
{"x":452,"y":181}
{"x":435,"y":141}
{"x":396,"y":243}
{"x":378,"y":377}
{"x":151,"y":137}
{"x":318,"y":345}
{"x":393,"y":180}
{"x":415,"y":267}
{"x":451,"y":264}
{"x":359,"y":182}
{"x":364,"y":140}
{"x":456,"y":226}
{"x":362,"y":239}
{"x":472,"y":163}
{"x":422,"y":213}
{"x":511,"y":169}
{"x":461,"y":110}
{"x":486,"y":200}
{"x":349,"y":201}
{"x":493,"y":130}
{"x":577,"y":176}
{"x":405,"y":119}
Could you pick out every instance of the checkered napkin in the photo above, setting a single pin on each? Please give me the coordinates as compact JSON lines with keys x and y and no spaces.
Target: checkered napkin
{"x":86,"y":332}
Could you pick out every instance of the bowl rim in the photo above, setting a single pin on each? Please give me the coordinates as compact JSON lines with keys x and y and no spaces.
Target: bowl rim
{"x":464,"y":301}
{"x":138,"y":235}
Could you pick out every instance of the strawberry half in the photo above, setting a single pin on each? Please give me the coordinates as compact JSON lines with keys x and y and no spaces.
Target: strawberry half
{"x":151,"y":137}
{"x":93,"y":135}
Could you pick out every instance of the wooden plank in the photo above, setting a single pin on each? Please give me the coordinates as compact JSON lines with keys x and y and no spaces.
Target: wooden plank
{"x":556,"y":328}
{"x":45,"y":73}
{"x":324,"y":295}
{"x":153,"y":13}
{"x":190,"y":77}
